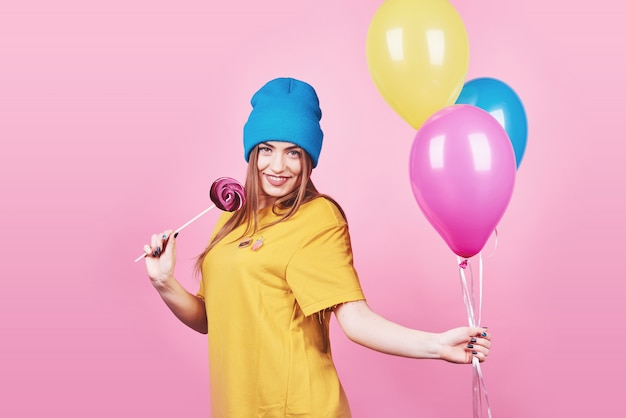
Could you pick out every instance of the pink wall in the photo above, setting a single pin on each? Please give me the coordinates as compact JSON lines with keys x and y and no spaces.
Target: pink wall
{"x":115,"y":119}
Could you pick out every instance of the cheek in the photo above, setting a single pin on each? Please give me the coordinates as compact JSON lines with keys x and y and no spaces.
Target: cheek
{"x":295,"y":166}
{"x":262,"y":163}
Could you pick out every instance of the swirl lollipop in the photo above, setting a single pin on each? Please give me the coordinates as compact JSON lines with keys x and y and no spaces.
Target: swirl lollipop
{"x":226,"y":193}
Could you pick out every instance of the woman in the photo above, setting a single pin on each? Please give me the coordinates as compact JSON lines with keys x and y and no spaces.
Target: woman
{"x":275,"y":270}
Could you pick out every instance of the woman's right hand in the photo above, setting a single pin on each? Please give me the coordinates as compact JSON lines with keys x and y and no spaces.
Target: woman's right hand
{"x":160,"y":262}
{"x":161,"y":257}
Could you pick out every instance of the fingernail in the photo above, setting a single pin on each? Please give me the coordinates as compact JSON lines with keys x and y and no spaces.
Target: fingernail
{"x":470,"y":346}
{"x":484,"y":334}
{"x":475,"y":353}
{"x":175,"y":235}
{"x":473,"y":340}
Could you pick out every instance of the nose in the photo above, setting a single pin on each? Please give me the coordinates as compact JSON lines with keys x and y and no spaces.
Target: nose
{"x":277,"y":164}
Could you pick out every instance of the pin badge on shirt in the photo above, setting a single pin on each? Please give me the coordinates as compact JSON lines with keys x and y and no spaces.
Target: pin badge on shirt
{"x":257,"y":244}
{"x":245,"y":242}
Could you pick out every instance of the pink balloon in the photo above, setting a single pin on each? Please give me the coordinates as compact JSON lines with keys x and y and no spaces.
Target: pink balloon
{"x":462,"y":170}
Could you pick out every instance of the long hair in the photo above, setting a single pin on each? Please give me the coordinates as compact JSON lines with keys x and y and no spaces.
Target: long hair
{"x":285,"y":206}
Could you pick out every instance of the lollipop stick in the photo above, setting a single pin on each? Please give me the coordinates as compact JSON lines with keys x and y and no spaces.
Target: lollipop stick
{"x":193,"y":219}
{"x":185,"y":225}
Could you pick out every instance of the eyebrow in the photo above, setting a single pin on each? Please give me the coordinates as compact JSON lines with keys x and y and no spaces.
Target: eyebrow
{"x":288,"y":148}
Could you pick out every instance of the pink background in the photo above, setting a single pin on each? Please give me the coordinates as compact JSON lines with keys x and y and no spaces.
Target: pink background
{"x":116,"y":116}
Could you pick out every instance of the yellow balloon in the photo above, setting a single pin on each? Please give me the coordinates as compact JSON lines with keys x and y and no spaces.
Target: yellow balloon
{"x":418,"y":55}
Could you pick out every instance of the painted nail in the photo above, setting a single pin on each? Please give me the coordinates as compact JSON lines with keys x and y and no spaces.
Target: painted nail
{"x":475,"y":353}
{"x":470,"y":346}
{"x":175,"y":235}
{"x":164,"y":236}
{"x":484,"y":334}
{"x":473,"y":340}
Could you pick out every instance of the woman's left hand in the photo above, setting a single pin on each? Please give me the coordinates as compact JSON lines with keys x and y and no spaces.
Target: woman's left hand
{"x":461,"y":345}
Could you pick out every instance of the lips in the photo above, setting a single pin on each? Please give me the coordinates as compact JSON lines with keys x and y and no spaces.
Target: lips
{"x":276,"y":181}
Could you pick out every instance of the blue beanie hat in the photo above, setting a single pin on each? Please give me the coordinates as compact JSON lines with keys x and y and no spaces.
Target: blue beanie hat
{"x":285,"y":109}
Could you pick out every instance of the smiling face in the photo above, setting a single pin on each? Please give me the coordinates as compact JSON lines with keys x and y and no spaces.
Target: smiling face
{"x":280,"y":170}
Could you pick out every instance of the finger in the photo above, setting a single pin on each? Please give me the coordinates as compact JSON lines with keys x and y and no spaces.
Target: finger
{"x":480,"y":332}
{"x":169,"y":241}
{"x":477,"y":347}
{"x":166,"y":235}
{"x":157,"y":244}
{"x":479,"y":352}
{"x":480,"y":341}
{"x":480,"y":356}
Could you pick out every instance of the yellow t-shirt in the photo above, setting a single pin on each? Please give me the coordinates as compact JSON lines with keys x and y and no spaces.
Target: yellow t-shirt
{"x":269,"y":347}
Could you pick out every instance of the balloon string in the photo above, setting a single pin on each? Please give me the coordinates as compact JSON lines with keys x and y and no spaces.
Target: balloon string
{"x":495,"y":243}
{"x":478,"y":382}
{"x":480,"y":287}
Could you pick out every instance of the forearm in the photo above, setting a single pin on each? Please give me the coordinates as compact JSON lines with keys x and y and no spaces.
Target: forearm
{"x":187,"y":307}
{"x":371,"y":330}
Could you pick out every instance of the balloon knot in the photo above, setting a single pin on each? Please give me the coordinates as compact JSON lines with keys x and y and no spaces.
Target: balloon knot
{"x":463,"y":264}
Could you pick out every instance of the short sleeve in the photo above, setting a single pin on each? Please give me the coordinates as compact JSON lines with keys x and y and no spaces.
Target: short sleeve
{"x":321,"y":273}
{"x":200,"y":292}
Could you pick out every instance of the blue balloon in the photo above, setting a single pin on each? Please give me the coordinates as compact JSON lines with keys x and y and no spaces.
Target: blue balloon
{"x":501,"y":101}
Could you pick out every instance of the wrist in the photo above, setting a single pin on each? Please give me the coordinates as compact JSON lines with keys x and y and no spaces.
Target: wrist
{"x":430,"y":346}
{"x":437,"y":346}
{"x":163,"y":283}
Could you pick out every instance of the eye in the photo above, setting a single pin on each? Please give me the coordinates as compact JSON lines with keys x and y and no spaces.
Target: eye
{"x":294,"y":153}
{"x":265,"y":150}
